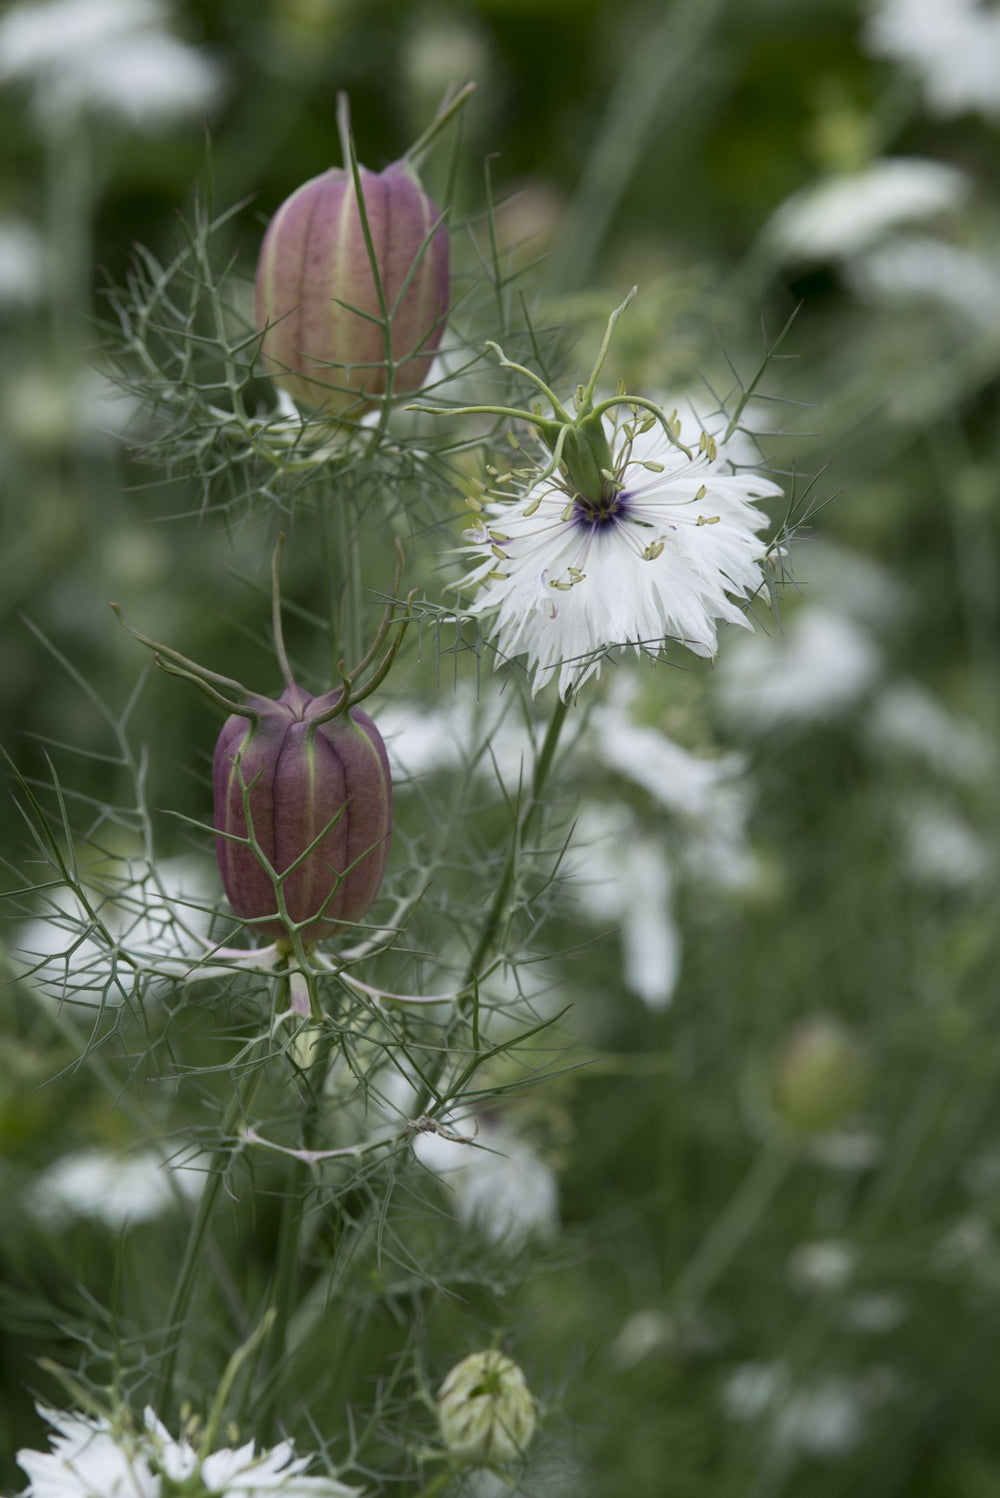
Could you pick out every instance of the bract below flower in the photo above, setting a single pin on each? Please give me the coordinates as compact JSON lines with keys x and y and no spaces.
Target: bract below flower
{"x":668,"y":551}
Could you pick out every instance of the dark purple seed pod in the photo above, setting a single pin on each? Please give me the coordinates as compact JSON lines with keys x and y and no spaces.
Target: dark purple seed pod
{"x":301,"y":776}
{"x":317,"y":301}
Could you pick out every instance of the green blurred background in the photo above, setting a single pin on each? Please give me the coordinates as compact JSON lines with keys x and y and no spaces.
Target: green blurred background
{"x":848,"y":1346}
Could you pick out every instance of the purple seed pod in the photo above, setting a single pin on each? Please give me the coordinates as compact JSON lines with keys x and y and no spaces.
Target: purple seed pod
{"x":302,"y":776}
{"x":317,"y":300}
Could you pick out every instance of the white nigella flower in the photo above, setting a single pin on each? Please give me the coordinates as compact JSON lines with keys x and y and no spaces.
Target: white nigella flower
{"x":624,"y":876}
{"x":22,"y":263}
{"x":909,"y":720}
{"x":503,"y":1188}
{"x":941,"y":849}
{"x":824,"y":1417}
{"x":917,"y":268}
{"x":114,"y":57}
{"x":640,"y":528}
{"x":821,"y":1267}
{"x":664,"y":551}
{"x":93,"y":1457}
{"x":843,"y":215}
{"x":114,"y":1189}
{"x":953,"y":47}
{"x":817,"y":668}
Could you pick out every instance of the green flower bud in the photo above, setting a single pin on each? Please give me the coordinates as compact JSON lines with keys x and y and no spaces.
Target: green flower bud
{"x":821,"y":1077}
{"x":485,"y":1410}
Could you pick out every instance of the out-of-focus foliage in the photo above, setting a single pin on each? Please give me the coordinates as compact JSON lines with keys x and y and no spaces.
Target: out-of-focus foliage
{"x":808,"y":831}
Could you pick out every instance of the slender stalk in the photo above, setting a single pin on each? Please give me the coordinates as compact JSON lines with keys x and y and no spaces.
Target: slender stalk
{"x":276,"y":626}
{"x":588,"y":394}
{"x":344,"y":125}
{"x":445,"y":113}
{"x":285,"y":1280}
{"x":69,"y":211}
{"x":197,"y":1237}
{"x":498,"y":910}
{"x":731,"y":1229}
{"x":353,"y":587}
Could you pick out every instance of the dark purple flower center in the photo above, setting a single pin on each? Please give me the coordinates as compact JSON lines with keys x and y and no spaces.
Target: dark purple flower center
{"x":612,"y":506}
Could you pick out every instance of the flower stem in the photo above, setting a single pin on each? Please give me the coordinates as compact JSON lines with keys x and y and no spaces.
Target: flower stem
{"x":446,"y":113}
{"x":276,"y":627}
{"x":498,"y":910}
{"x":197,"y":1238}
{"x":731,"y":1229}
{"x":285,"y":1280}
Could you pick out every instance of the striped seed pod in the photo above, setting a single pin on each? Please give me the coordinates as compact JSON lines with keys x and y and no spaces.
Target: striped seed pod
{"x":329,"y":339}
{"x":319,"y":796}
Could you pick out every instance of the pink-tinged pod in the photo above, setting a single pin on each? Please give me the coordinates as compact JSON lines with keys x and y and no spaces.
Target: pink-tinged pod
{"x":315,"y":270}
{"x":302,"y":776}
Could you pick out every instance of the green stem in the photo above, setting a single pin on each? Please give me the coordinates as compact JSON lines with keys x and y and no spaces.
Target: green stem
{"x":285,"y":1280}
{"x":440,"y":120}
{"x":197,"y":1237}
{"x":588,"y":394}
{"x":343,"y":567}
{"x":276,"y":626}
{"x":731,"y":1229}
{"x":352,"y":595}
{"x":498,"y":910}
{"x":70,"y":211}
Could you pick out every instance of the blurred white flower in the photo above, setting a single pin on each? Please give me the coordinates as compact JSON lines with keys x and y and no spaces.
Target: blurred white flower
{"x":968,"y":1243}
{"x":953,"y":47}
{"x":45,"y":33}
{"x":690,"y":1333}
{"x":848,"y":1150}
{"x":941,"y":849}
{"x":680,"y":781}
{"x":624,"y":877}
{"x":750,"y":1389}
{"x":838,"y":217}
{"x":509,"y":1195}
{"x":909,"y":268}
{"x":457,"y":729}
{"x":817,"y":668}
{"x":642,"y":1334}
{"x":711,"y":796}
{"x":160,"y":919}
{"x":442,"y":49}
{"x":821,"y":1267}
{"x":851,"y":583}
{"x":908,"y":719}
{"x":115,"y":1189}
{"x":148,"y":81}
{"x":823,"y":1417}
{"x":93,"y":1458}
{"x":874,"y":1313}
{"x":981,"y":1173}
{"x":114,"y":57}
{"x":22,"y":263}
{"x":667,"y":553}
{"x":502,"y":1187}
